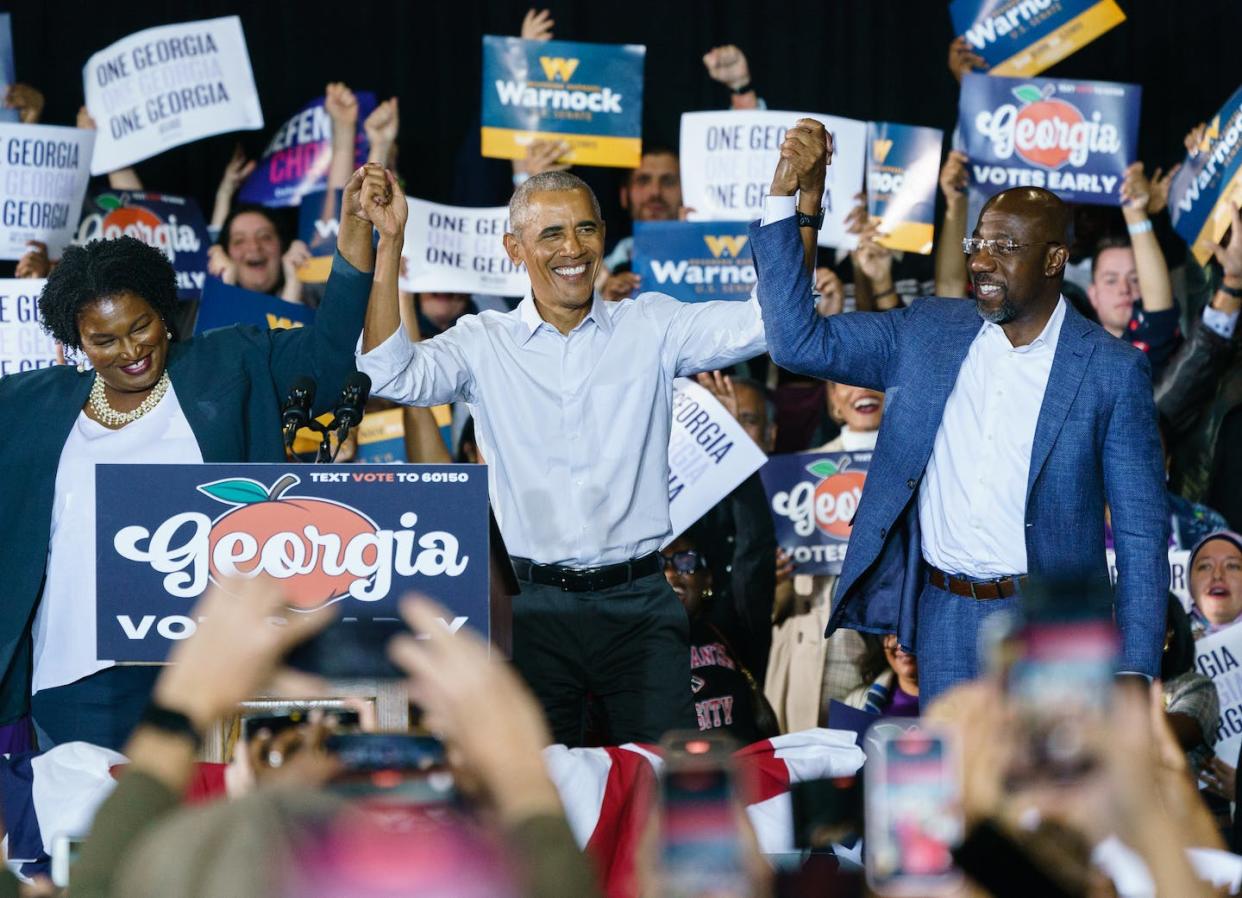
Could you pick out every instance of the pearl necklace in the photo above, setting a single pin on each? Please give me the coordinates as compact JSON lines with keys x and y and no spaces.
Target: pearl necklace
{"x":109,"y":416}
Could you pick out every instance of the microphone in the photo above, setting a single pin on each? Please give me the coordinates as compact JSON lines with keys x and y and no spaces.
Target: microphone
{"x":295,"y":413}
{"x":349,"y":408}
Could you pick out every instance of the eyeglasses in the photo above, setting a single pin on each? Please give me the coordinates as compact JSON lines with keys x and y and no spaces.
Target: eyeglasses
{"x":1005,"y":247}
{"x":686,"y":562}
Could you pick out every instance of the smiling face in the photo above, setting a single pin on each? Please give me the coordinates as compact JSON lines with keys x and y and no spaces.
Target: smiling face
{"x":858,"y":408}
{"x":689,"y":586}
{"x":1114,"y":288}
{"x":653,"y":192}
{"x":1010,"y":286}
{"x":254,"y":246}
{"x":125,"y":340}
{"x":1216,"y":581}
{"x":561,"y":242}
{"x":902,"y":662}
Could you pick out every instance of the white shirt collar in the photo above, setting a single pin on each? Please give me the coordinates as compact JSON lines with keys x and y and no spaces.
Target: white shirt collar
{"x":529,"y":315}
{"x":1047,"y":337}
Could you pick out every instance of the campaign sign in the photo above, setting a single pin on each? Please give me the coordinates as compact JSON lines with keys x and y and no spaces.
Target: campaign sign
{"x":694,"y":261}
{"x":328,"y":534}
{"x":163,"y":87}
{"x":1074,"y":138}
{"x":727,"y":161}
{"x":1210,"y":178}
{"x":1219,"y":656}
{"x":24,"y":345}
{"x":46,"y":169}
{"x":297,"y":159}
{"x":709,"y":454}
{"x":319,"y":224}
{"x":813,"y":497}
{"x":903,"y":174}
{"x":1179,"y":576}
{"x":1024,"y":37}
{"x":8,"y":72}
{"x":172,"y":224}
{"x":588,"y":95}
{"x":224,"y":305}
{"x":456,"y":249}
{"x":381,"y":437}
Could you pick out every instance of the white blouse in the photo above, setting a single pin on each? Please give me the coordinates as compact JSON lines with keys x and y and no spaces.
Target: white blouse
{"x":64,"y":625}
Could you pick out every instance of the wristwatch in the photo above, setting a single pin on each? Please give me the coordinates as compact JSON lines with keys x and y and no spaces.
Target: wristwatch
{"x":1235,"y":292}
{"x":172,"y":722}
{"x":810,"y":221}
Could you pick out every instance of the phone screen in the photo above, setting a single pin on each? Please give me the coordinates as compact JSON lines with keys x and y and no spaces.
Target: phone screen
{"x":1061,"y":682}
{"x":701,"y":848}
{"x":913,"y":814}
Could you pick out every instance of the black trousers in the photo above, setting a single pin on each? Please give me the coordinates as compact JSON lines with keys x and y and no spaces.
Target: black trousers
{"x":626,"y":647}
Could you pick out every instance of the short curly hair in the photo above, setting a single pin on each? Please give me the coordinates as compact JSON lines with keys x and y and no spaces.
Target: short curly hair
{"x":105,"y":268}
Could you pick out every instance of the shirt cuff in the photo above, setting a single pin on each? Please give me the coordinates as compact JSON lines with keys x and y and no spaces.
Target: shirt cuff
{"x":1134,"y":673}
{"x":778,"y":208}
{"x":385,"y":362}
{"x":1215,"y":320}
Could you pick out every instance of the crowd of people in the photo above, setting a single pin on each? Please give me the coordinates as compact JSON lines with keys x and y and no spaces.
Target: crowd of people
{"x":1031,"y":403}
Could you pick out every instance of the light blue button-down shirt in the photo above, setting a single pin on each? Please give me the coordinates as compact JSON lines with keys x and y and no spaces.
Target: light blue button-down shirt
{"x":574,"y":428}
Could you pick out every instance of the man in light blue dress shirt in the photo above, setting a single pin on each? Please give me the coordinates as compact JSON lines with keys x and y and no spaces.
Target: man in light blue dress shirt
{"x":572,"y":401}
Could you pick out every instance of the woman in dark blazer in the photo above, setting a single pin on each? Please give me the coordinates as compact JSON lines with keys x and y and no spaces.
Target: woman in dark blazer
{"x":149,"y":398}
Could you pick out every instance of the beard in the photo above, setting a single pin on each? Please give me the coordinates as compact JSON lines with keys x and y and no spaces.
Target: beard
{"x":1002,"y":314}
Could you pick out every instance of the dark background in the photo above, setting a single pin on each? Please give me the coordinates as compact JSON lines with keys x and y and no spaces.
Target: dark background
{"x":880,"y":59}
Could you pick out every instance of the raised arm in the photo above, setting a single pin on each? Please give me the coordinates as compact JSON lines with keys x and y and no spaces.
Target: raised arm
{"x":121,"y":179}
{"x":853,"y":348}
{"x":950,"y":261}
{"x":402,"y":368}
{"x":325,"y":350}
{"x":1155,"y":288}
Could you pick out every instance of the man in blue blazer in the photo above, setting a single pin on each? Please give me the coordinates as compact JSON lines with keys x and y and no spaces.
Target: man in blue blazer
{"x":1009,"y":424}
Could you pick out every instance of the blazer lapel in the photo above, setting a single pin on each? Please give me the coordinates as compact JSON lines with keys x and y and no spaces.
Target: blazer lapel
{"x":199,"y":404}
{"x":1069,"y":366}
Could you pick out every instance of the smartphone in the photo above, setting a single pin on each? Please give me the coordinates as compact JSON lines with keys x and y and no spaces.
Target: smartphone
{"x":393,"y":767}
{"x":338,"y":719}
{"x":701,"y":839}
{"x":65,"y":851}
{"x":826,"y":811}
{"x":1060,"y":679}
{"x":913,"y":812}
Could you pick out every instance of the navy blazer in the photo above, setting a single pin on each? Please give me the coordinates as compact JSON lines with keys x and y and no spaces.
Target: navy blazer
{"x":230,"y":383}
{"x":1096,"y":441}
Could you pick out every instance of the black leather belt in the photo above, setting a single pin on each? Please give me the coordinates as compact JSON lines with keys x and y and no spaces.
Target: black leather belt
{"x":590,"y":579}
{"x":981,"y":590}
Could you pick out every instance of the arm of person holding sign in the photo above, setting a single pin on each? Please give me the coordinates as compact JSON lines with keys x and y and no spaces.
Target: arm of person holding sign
{"x":852,"y":348}
{"x":1155,"y":288}
{"x":950,"y":263}
{"x":121,"y":179}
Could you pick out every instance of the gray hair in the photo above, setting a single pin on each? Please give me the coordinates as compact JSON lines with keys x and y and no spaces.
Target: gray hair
{"x":545,"y":182}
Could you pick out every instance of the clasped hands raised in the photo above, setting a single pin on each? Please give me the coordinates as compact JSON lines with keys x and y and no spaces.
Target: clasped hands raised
{"x":374,"y":196}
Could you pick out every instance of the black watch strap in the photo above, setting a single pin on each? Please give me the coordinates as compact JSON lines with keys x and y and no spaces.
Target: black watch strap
{"x":1235,"y":292}
{"x":743,"y":89}
{"x":810,"y":221}
{"x":172,"y":722}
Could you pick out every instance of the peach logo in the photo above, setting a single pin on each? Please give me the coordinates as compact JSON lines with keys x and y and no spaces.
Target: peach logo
{"x":828,"y":503}
{"x":288,"y":529}
{"x":123,"y":215}
{"x":1045,"y":130}
{"x":322,"y":550}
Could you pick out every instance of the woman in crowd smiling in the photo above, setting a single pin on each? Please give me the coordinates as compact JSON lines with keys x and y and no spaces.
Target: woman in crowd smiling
{"x":148,"y":397}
